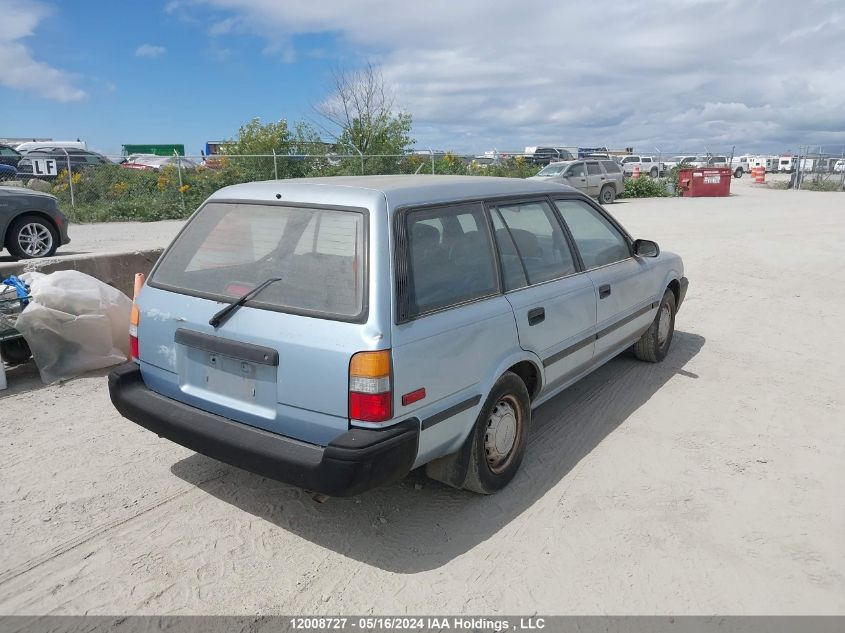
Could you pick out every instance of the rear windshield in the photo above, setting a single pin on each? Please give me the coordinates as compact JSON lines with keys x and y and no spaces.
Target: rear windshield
{"x":231,"y":247}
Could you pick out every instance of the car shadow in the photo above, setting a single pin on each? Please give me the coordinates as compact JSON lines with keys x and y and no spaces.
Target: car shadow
{"x":419,"y":524}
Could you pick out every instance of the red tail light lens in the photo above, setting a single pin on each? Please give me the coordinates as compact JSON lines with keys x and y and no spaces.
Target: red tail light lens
{"x":370,"y":389}
{"x":370,"y":407}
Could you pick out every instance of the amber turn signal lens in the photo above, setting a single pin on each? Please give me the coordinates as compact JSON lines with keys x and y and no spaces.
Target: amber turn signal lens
{"x":370,"y":364}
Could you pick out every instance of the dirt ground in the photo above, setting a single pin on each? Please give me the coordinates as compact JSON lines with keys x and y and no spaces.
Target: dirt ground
{"x":710,"y":483}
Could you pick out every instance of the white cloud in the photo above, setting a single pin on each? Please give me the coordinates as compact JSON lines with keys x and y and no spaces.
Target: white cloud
{"x":150,"y":51}
{"x":19,"y":70}
{"x":681,"y":74}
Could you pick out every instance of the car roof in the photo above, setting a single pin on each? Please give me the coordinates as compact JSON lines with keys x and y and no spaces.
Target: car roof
{"x":397,"y":191}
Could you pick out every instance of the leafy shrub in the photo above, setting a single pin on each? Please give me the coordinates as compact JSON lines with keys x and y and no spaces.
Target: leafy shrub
{"x":644,"y":187}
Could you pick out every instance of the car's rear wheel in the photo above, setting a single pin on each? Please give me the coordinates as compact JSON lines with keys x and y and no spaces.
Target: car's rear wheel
{"x":500,"y":436}
{"x":32,"y":236}
{"x":607,"y":194}
{"x":654,"y":172}
{"x":738,"y":173}
{"x":15,"y":351}
{"x":655,"y":341}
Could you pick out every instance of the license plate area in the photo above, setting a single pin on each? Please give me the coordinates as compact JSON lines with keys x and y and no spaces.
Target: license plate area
{"x":239,"y":376}
{"x":230,"y":377}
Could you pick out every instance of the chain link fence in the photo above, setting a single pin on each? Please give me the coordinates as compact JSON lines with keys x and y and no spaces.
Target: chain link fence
{"x":95,"y":188}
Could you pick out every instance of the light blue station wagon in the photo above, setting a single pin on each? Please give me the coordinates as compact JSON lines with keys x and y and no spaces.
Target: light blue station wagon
{"x":335,"y":333}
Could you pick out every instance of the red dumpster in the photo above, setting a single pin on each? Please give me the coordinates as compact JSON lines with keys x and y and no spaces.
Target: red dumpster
{"x":697,"y":182}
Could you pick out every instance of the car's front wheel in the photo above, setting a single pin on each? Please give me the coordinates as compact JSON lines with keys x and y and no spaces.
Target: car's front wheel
{"x":607,"y":194}
{"x":500,"y":436}
{"x":738,"y":173}
{"x":654,"y":172}
{"x":32,"y":236}
{"x":655,"y":341}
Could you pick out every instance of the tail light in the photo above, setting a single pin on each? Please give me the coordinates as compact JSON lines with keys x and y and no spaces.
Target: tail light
{"x":370,"y":389}
{"x":135,"y":318}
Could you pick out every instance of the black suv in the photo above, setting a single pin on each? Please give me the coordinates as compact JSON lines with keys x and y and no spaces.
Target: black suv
{"x":546,"y":155}
{"x":9,"y":155}
{"x":80,"y":160}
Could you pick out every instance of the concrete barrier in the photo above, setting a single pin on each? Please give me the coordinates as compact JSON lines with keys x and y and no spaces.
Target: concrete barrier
{"x":116,"y":269}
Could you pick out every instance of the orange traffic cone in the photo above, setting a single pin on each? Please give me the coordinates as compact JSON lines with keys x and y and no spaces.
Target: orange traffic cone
{"x":636,"y":172}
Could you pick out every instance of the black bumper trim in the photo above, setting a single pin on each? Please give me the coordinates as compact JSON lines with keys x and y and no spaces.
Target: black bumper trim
{"x":356,"y":461}
{"x":452,"y":411}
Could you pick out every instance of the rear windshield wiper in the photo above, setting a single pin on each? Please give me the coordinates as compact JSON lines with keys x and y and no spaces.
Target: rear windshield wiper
{"x":222,"y":315}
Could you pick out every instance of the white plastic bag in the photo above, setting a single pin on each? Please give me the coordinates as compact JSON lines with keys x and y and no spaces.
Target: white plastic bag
{"x":74,"y":323}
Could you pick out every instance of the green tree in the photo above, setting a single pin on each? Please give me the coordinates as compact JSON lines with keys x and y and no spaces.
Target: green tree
{"x":252,"y":149}
{"x":359,"y":114}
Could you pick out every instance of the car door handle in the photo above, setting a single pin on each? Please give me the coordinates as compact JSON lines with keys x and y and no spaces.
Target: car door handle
{"x":604,"y":291}
{"x":536,"y":315}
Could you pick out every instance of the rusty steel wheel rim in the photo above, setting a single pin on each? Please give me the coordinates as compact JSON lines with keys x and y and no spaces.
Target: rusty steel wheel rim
{"x":502,"y":434}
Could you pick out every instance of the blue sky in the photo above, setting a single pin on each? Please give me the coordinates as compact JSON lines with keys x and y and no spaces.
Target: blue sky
{"x":686,"y":75}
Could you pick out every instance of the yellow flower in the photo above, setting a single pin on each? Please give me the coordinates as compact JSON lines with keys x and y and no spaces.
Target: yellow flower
{"x":119,"y":188}
{"x":162,"y":182}
{"x":75,"y":178}
{"x":184,"y":188}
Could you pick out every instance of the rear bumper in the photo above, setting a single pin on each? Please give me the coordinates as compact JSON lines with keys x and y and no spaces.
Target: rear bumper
{"x":684,"y":284}
{"x":356,"y":461}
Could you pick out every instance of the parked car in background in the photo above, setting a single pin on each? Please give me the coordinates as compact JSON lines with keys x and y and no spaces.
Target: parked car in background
{"x":29,"y":146}
{"x":79,"y":160}
{"x":7,"y":172}
{"x":601,"y":179}
{"x":31,"y":223}
{"x":546,"y":155}
{"x":9,"y":155}
{"x":335,"y":333}
{"x":741,"y":165}
{"x":677,"y":160}
{"x":839,"y":166}
{"x":148,"y":161}
{"x":647,"y":165}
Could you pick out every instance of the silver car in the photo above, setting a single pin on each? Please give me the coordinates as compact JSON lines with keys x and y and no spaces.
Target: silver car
{"x":601,"y":179}
{"x":335,"y":333}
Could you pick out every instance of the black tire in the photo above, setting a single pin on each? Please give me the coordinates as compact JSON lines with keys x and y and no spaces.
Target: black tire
{"x":607,"y":195}
{"x":738,"y":173}
{"x":654,"y":345}
{"x":489,"y":470}
{"x":654,"y":172}
{"x":32,"y":236}
{"x":15,"y":351}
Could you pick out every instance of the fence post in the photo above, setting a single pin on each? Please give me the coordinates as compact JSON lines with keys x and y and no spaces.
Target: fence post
{"x":431,"y":154}
{"x":179,"y":171}
{"x":275,"y":166}
{"x":69,"y":178}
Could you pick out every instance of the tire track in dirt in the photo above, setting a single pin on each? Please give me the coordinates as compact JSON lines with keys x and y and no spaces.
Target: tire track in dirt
{"x":93,"y":533}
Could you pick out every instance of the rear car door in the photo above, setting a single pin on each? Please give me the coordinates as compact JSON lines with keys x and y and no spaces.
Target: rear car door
{"x":553,"y":302}
{"x":576,"y":176}
{"x":453,"y":326}
{"x":624,"y":301}
{"x":595,"y":177}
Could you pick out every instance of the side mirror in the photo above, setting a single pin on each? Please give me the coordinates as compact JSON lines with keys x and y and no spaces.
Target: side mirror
{"x":646,"y":248}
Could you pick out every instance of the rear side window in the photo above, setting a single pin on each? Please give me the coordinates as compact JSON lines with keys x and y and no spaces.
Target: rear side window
{"x":611,"y":166}
{"x":229,"y":248}
{"x":646,"y":160}
{"x":450,"y":258}
{"x":599,"y":242}
{"x":529,"y":235}
{"x":593,"y":169}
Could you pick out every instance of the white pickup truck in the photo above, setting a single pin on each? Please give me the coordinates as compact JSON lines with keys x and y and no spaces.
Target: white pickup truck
{"x":647,"y":165}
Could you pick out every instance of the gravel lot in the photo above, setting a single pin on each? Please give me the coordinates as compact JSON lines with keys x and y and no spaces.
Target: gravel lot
{"x":710,"y":483}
